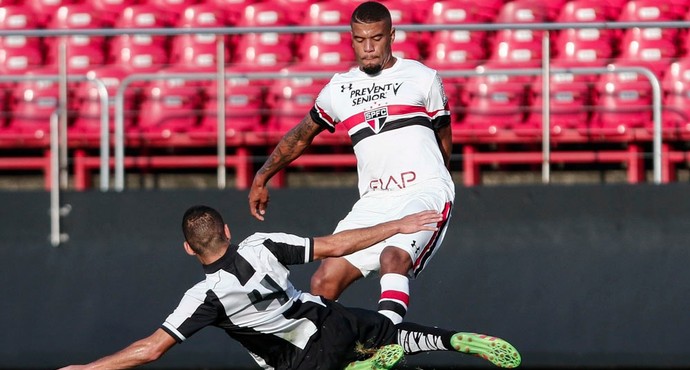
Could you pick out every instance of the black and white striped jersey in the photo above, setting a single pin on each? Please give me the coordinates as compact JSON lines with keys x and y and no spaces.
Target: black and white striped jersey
{"x":248,"y":294}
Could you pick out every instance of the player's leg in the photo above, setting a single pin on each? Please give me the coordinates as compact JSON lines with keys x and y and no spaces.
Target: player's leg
{"x":408,"y":254}
{"x":395,"y":285}
{"x":332,"y":277}
{"x":416,"y":338}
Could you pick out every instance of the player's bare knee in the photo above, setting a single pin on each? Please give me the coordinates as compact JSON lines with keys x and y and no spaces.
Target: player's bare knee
{"x":318,"y":282}
{"x":396,"y":260}
{"x":325,"y":283}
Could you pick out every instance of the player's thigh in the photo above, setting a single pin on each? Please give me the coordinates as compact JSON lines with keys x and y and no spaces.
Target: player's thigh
{"x":421,"y":246}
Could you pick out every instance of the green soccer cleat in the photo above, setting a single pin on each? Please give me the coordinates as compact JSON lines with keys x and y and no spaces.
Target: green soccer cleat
{"x":385,"y":358}
{"x":496,"y":350}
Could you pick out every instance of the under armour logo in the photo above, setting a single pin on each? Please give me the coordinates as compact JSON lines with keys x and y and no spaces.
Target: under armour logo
{"x":342,"y":87}
{"x":414,"y":245}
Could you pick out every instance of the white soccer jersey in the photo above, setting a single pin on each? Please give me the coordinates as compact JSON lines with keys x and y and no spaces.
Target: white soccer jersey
{"x":391,"y":118}
{"x":247,"y":293}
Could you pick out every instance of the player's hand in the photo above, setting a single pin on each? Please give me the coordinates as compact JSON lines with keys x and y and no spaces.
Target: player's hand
{"x":258,"y":201}
{"x":421,"y":221}
{"x":73,"y":367}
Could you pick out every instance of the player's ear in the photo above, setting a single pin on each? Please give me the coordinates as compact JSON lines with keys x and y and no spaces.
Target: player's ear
{"x":227,"y":231}
{"x":188,"y":249}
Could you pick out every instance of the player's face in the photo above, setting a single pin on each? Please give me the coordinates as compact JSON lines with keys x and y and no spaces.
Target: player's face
{"x":372,"y":45}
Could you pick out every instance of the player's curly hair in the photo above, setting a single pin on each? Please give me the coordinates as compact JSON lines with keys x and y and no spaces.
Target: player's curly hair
{"x":204,"y":229}
{"x":371,"y":12}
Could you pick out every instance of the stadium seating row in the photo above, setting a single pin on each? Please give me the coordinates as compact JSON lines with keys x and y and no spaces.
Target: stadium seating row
{"x":58,"y":13}
{"x":655,"y":47}
{"x":483,"y":105}
{"x":488,"y":109}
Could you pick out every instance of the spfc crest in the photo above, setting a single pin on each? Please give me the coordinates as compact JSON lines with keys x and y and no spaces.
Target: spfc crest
{"x":376,"y":118}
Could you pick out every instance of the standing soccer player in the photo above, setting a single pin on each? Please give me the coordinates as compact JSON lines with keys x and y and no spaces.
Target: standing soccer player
{"x":396,"y":113}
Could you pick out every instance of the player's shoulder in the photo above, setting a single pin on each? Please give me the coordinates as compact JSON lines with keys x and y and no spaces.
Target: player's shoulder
{"x":350,"y":74}
{"x":260,"y":238}
{"x":415,"y":66}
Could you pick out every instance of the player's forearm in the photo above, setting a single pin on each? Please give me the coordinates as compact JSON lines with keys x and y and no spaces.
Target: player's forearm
{"x":290,"y":147}
{"x":135,"y":355}
{"x":138,"y":353}
{"x":350,"y":241}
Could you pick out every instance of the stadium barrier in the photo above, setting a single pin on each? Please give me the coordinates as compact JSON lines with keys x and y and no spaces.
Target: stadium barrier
{"x":586,"y":276}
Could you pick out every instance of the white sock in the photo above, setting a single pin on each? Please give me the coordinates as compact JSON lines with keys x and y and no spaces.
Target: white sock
{"x":395,"y":296}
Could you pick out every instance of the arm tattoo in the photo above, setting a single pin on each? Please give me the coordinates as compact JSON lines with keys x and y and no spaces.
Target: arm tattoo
{"x":291,"y":146}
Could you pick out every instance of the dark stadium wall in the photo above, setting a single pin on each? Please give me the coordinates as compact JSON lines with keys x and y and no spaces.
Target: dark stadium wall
{"x":576,"y":276}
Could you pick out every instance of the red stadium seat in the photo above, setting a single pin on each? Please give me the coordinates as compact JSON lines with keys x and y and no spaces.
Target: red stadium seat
{"x":406,"y":50}
{"x":461,"y":11}
{"x":520,"y":48}
{"x":140,"y":58}
{"x":231,"y":9}
{"x":328,"y":55}
{"x":569,"y":102}
{"x":265,"y":14}
{"x":517,"y":48}
{"x":623,"y":102}
{"x":83,"y":52}
{"x":19,"y":53}
{"x":676,"y":86}
{"x":169,"y":106}
{"x":328,"y":13}
{"x":44,"y":10}
{"x":171,"y":9}
{"x":18,"y":61}
{"x":141,"y":16}
{"x":528,"y":11}
{"x":655,"y":55}
{"x":443,"y":56}
{"x":582,"y":11}
{"x":88,"y":119}
{"x":139,"y":51}
{"x":77,"y":16}
{"x":650,"y":11}
{"x":336,"y":39}
{"x":416,"y":10}
{"x":585,"y":47}
{"x":110,"y":10}
{"x":614,"y":8}
{"x":495,"y":104}
{"x":290,"y":99}
{"x":455,"y":48}
{"x":244,"y":109}
{"x":264,"y":57}
{"x":17,"y":17}
{"x":33,"y":102}
{"x":199,"y":50}
{"x":298,"y":9}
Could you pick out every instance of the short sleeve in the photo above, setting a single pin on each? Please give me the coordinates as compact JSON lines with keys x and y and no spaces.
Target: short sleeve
{"x":290,"y":249}
{"x":194,"y":313}
{"x":323,"y":113}
{"x":437,"y":103}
